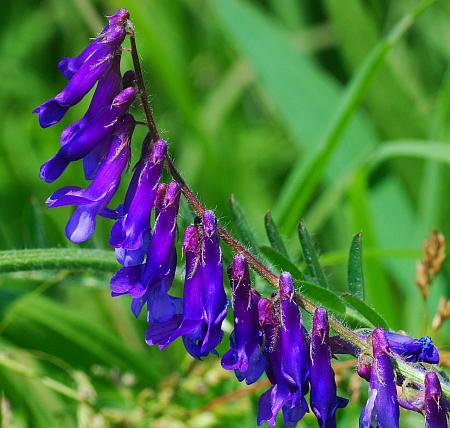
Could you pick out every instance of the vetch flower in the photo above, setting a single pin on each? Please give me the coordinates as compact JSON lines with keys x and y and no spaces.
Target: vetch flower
{"x":414,"y":350}
{"x":92,"y":200}
{"x":435,"y":411}
{"x":381,"y":409}
{"x":205,"y":302}
{"x":129,"y":234}
{"x":150,"y":282}
{"x":324,"y":400}
{"x":86,"y":139}
{"x":245,"y":356}
{"x":288,"y":368}
{"x":107,"y":88}
{"x":192,"y":321}
{"x":92,"y":69}
{"x":215,"y":303}
{"x":70,"y":66}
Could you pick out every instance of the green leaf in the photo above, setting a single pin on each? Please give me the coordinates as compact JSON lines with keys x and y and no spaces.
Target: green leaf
{"x":377,"y":289}
{"x":366,"y":311}
{"x":242,"y":227}
{"x":310,"y":255}
{"x":275,"y":239}
{"x":281,"y":262}
{"x":323,"y":297}
{"x":355,"y":267}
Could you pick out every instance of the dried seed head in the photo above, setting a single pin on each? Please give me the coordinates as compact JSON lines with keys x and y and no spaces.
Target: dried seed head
{"x":442,"y":313}
{"x":434,"y":252}
{"x":431,"y":263}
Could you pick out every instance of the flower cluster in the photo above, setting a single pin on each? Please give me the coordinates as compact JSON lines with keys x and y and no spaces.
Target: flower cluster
{"x":269,"y":335}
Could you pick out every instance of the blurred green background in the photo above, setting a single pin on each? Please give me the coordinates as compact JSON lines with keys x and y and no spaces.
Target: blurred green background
{"x":309,"y":108}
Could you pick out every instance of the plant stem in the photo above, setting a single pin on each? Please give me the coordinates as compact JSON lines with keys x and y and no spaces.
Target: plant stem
{"x":57,"y":259}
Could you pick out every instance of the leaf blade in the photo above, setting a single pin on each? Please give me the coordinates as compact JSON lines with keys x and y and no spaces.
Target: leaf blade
{"x":355,"y":267}
{"x":310,"y":255}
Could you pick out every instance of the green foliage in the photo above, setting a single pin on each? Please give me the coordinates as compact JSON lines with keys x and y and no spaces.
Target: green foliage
{"x":316,"y":109}
{"x":355,"y":271}
{"x":310,"y":256}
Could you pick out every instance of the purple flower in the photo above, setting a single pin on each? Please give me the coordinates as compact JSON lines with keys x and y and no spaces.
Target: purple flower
{"x":289,"y":365}
{"x":414,"y":350}
{"x":88,"y":137}
{"x":70,"y":66}
{"x":381,"y":409}
{"x":93,"y":68}
{"x":324,"y":400}
{"x":92,"y":200}
{"x":128,"y":235}
{"x":107,"y":88}
{"x":93,"y":159}
{"x":245,"y":356}
{"x":435,"y":412}
{"x":205,"y":302}
{"x":215,"y":303}
{"x":192,"y":321}
{"x":149,"y":283}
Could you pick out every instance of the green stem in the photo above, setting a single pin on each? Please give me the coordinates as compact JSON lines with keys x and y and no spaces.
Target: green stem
{"x":57,"y":259}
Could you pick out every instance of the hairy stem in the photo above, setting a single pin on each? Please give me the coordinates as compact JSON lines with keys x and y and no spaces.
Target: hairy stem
{"x":57,"y":259}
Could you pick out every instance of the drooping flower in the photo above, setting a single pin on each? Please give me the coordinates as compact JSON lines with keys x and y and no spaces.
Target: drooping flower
{"x":88,"y":137}
{"x":205,"y":302}
{"x":245,"y":356}
{"x":324,"y":401}
{"x":93,"y":159}
{"x":96,"y":62}
{"x":215,"y":303}
{"x":150,"y":282}
{"x":414,"y":350}
{"x":435,"y":411}
{"x":92,"y":200}
{"x":130,"y":233}
{"x":381,"y":409}
{"x":192,"y":322}
{"x":70,"y":66}
{"x":107,"y":89}
{"x":289,"y":366}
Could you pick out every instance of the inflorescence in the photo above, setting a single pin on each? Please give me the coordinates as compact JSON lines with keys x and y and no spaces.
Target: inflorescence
{"x":269,"y":336}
